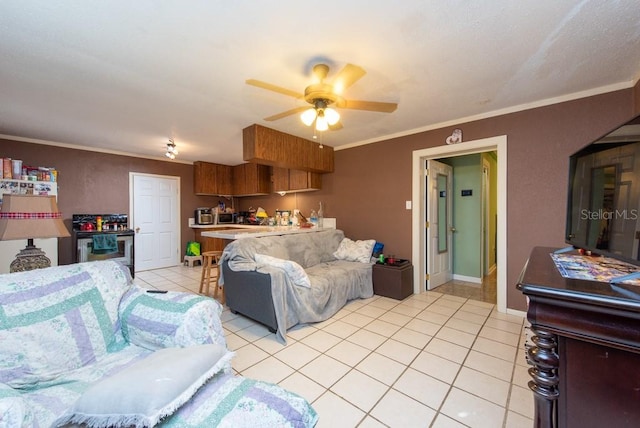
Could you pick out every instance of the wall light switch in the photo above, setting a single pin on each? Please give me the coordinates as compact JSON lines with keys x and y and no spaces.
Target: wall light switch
{"x":407,"y":204}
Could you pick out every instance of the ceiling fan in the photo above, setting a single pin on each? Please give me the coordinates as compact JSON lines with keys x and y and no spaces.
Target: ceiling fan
{"x":323,"y":97}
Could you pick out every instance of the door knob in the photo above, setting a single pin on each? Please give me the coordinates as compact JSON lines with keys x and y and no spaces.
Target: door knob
{"x":137,"y":229}
{"x":453,"y":229}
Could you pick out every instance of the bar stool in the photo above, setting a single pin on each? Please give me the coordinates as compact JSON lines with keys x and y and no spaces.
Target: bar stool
{"x":210,"y":263}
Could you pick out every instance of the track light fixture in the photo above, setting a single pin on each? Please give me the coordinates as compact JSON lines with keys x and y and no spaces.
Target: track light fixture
{"x":172,"y":151}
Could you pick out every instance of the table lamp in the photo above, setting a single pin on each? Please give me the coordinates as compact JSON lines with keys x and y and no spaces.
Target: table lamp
{"x":29,"y":217}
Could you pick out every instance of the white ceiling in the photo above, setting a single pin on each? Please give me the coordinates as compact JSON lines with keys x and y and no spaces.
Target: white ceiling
{"x":126,"y":76}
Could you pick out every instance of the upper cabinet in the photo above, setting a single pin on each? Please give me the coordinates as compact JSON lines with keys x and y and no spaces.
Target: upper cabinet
{"x":212,"y":179}
{"x":304,"y":180}
{"x":280,"y":179}
{"x":251,"y":179}
{"x":270,"y":147}
{"x":293,"y":180}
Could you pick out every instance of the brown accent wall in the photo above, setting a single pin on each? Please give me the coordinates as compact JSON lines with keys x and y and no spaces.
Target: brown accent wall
{"x":636,"y":97}
{"x":91,"y":182}
{"x":368,"y":190}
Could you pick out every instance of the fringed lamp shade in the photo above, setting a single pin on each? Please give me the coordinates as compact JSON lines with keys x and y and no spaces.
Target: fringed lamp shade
{"x":29,"y":217}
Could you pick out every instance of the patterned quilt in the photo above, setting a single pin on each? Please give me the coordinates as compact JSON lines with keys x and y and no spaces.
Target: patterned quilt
{"x":65,"y":328}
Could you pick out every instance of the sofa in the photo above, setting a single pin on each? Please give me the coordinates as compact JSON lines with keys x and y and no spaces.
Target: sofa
{"x":81,"y":345}
{"x":282,"y":281}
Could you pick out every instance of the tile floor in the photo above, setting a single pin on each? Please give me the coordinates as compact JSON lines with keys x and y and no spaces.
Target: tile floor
{"x":485,"y":292}
{"x":431,"y":360}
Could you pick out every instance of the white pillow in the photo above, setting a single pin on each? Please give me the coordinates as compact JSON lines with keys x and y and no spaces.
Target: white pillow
{"x":145,"y":392}
{"x":295,"y":272}
{"x":358,"y":251}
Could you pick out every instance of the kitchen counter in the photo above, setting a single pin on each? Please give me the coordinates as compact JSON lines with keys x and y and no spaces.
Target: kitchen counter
{"x":222,"y":226}
{"x":255,"y":232}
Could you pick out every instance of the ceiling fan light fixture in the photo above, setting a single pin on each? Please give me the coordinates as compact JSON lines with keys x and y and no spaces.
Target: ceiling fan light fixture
{"x":321,"y":122}
{"x":331,"y":115}
{"x":308,"y":116}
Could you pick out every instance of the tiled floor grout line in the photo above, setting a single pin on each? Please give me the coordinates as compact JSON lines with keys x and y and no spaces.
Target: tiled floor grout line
{"x":513,"y":373}
{"x":444,"y":399}
{"x":406,"y":368}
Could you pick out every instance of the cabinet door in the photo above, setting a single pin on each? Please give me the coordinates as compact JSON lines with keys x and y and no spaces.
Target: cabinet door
{"x":239,"y":180}
{"x":303,"y":180}
{"x":280,"y":179}
{"x":260,"y":177}
{"x":224,"y":174}
{"x":204,"y":178}
{"x":251,"y":179}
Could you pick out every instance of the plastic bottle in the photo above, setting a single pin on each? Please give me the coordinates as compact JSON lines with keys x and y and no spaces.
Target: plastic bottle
{"x":313,"y":218}
{"x":320,"y":217}
{"x":99,"y":222}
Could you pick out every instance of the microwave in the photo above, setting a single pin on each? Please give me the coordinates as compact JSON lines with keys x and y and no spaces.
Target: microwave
{"x":225,"y":218}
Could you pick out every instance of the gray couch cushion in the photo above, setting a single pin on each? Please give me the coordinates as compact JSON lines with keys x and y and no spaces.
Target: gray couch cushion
{"x":313,"y":248}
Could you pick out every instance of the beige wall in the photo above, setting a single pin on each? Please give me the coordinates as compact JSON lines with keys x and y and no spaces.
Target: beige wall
{"x":368,"y":190}
{"x":636,"y":97}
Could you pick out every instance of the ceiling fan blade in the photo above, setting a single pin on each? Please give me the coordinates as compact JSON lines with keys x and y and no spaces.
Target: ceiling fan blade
{"x":336,"y":127}
{"x":369,"y":106}
{"x":286,"y":113}
{"x":349,"y":75}
{"x":274,"y":88}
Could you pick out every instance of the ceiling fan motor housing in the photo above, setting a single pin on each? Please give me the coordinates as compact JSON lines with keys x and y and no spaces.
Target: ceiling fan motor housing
{"x":321,"y":92}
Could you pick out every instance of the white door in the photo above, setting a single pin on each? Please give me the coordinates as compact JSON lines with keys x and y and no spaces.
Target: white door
{"x":155,"y":207}
{"x":439,"y":223}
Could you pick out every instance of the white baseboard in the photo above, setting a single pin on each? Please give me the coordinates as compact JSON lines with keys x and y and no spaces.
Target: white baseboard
{"x":472,"y":279}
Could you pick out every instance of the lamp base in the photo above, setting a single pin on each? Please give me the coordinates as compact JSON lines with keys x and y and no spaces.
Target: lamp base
{"x":29,"y":258}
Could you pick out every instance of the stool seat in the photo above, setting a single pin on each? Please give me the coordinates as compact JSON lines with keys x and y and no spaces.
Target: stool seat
{"x":210,"y":274}
{"x":191,"y":260}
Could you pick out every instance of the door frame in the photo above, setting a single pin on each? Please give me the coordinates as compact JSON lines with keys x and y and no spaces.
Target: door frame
{"x":132,"y":175}
{"x":418,"y":192}
{"x":486,"y":217}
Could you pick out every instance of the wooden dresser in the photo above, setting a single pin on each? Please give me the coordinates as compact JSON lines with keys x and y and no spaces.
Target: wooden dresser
{"x":585,"y":350}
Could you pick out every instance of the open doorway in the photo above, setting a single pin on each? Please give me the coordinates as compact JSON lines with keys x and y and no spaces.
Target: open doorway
{"x":419,"y":253}
{"x":471,"y":226}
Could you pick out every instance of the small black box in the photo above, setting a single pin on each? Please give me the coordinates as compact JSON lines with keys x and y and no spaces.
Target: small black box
{"x":393,"y":281}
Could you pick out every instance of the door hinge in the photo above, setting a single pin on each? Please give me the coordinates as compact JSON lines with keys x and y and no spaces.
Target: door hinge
{"x":426,"y":224}
{"x":426,"y":277}
{"x":426,"y":172}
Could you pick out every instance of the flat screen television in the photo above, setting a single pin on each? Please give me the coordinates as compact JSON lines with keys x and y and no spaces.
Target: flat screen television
{"x":603,"y":213}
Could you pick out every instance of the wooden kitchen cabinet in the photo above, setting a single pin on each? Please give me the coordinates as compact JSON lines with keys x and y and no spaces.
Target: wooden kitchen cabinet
{"x":270,"y":147}
{"x":251,"y":179}
{"x":303,"y":180}
{"x":224,"y":179}
{"x":293,"y":180}
{"x":280,"y":179}
{"x":212,"y":179}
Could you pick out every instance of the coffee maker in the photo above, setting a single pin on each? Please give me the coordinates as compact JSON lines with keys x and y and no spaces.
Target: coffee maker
{"x":203,"y":216}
